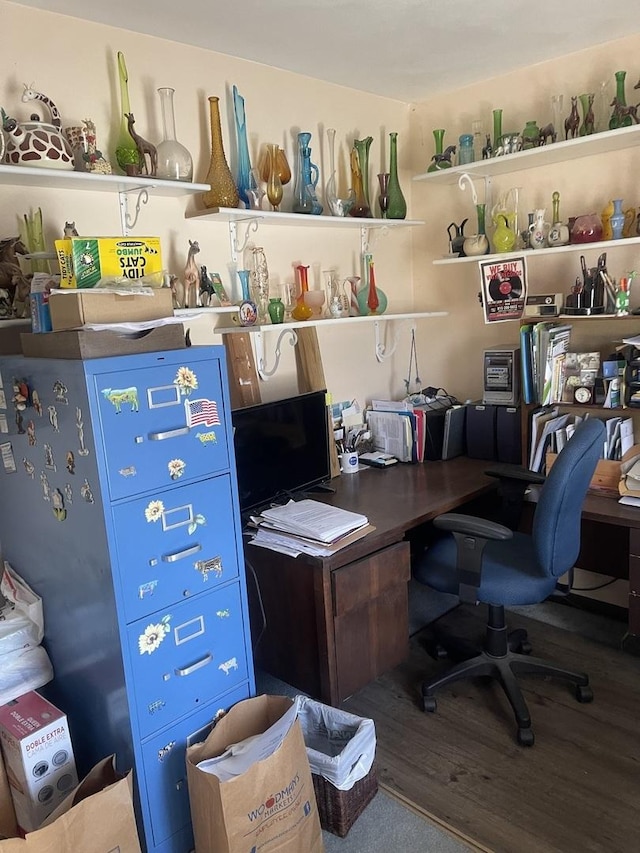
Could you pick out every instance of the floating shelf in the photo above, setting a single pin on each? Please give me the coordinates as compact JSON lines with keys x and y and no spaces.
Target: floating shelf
{"x":601,"y":245}
{"x":544,"y":155}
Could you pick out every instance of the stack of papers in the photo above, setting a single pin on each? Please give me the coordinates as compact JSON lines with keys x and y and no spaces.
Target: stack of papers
{"x":309,"y":527}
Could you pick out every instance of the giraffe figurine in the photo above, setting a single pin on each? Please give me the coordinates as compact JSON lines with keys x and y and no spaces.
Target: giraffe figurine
{"x":191,"y":276}
{"x":30,"y":94}
{"x":144,"y":147}
{"x":94,"y":159}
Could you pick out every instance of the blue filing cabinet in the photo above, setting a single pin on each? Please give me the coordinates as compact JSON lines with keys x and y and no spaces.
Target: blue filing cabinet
{"x":119,"y":506}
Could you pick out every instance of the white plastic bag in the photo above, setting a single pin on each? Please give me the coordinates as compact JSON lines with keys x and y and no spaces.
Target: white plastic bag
{"x":23,"y":670}
{"x":21,"y":619}
{"x":340,"y":746}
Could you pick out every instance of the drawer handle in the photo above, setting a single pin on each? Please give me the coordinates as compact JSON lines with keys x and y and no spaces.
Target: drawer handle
{"x":180,"y":555}
{"x":187,"y":670}
{"x":171,"y":433}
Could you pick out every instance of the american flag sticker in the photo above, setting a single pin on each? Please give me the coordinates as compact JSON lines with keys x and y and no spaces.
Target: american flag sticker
{"x":201,"y":412}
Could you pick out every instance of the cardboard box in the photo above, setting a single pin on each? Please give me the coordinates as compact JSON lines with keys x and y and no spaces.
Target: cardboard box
{"x":38,"y":757}
{"x":605,"y":478}
{"x":85,"y":343}
{"x":84,"y":261}
{"x":72,"y":309}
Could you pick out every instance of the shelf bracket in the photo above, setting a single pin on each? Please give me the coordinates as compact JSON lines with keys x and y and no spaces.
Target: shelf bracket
{"x":263,"y":372}
{"x":237,"y":247}
{"x":127,"y":223}
{"x":382,"y":351}
{"x":368,"y":236}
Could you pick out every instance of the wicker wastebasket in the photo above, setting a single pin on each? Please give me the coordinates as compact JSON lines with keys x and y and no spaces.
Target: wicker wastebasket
{"x":341,"y":752}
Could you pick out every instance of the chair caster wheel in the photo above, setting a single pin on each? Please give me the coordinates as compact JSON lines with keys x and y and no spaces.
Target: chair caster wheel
{"x":584,"y":694}
{"x":525,"y":648}
{"x":439,"y":652}
{"x":526,"y":737}
{"x":429,"y":704}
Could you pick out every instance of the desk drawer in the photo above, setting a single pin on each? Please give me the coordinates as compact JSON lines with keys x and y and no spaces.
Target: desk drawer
{"x":358,"y":583}
{"x":184,"y":656}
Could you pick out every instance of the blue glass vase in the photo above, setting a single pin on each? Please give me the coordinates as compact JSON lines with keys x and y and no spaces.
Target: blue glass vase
{"x":244,"y":163}
{"x":305,"y":199}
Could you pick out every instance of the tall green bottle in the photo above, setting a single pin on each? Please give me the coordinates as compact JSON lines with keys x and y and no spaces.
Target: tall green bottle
{"x":396,"y":206}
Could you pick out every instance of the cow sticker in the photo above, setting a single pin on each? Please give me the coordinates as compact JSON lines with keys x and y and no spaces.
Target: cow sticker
{"x":119,"y":396}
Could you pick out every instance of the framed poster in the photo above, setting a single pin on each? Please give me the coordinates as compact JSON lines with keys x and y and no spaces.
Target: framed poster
{"x":504,"y":289}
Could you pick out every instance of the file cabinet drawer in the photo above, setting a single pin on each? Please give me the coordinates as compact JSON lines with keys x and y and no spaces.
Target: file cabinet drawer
{"x":175,"y":545}
{"x":164,"y":766}
{"x":358,"y":583}
{"x":156,"y":430}
{"x":181,"y":657}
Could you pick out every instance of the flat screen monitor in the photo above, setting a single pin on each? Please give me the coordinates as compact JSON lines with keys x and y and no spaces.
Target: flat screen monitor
{"x":282,"y":448}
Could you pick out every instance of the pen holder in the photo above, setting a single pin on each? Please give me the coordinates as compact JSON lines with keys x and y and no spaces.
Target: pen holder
{"x":349,"y":462}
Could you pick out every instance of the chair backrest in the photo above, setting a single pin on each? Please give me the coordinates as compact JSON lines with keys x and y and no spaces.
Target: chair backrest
{"x":556,"y":524}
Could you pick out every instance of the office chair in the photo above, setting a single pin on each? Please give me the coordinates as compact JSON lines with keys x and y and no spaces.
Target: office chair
{"x":486,"y":562}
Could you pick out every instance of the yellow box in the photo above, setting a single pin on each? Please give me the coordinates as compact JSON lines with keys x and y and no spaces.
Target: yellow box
{"x":84,"y":261}
{"x":73,"y":310}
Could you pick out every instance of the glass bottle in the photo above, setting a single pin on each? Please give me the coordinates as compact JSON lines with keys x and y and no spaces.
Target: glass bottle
{"x":617,"y":118}
{"x":247,"y":311}
{"x":244,"y":162}
{"x":301,"y":310}
{"x":617,"y":219}
{"x":371,"y":300}
{"x":530,"y":135}
{"x":557,"y":102}
{"x":396,"y":206}
{"x":276,"y":310}
{"x":260,"y":282}
{"x":438,"y":136}
{"x":362,"y":147}
{"x":223,"y":191}
{"x":497,"y":129}
{"x":274,"y":184}
{"x":305,"y":199}
{"x":588,"y":121}
{"x":126,"y":149}
{"x":174,"y":160}
{"x":360,"y":207}
{"x":478,"y":139}
{"x":466,"y":153}
{"x":383,"y":198}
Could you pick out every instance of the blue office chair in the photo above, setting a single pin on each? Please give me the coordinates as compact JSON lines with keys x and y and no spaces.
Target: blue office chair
{"x":486,"y":562}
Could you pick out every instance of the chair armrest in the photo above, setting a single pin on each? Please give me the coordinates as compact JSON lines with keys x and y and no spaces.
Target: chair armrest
{"x":470,"y":525}
{"x":515,"y":472}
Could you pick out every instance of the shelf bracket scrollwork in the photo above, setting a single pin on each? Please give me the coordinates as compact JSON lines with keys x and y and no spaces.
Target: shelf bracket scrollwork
{"x":263,"y":372}
{"x":383,"y":352}
{"x":238,"y":246}
{"x":369,"y":235}
{"x":128,"y":222}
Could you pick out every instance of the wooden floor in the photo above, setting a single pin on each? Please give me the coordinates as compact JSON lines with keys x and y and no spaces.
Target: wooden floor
{"x":577,"y":789}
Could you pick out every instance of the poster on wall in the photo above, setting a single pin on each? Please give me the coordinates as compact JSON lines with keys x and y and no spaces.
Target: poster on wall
{"x":504,"y":289}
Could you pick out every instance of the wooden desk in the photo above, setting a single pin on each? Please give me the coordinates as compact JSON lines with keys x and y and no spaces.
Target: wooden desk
{"x":334,"y":624}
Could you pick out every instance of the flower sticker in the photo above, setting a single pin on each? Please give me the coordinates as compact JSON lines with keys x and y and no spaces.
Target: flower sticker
{"x":153,"y":635}
{"x":199,"y":519}
{"x":154,"y":511}
{"x":176,"y":468}
{"x":186,"y":380}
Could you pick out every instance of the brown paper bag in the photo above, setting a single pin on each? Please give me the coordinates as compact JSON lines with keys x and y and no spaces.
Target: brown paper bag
{"x":271,"y":806}
{"x":97,"y":817}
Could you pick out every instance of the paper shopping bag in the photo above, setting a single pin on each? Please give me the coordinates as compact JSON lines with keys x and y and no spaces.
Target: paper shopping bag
{"x":261,"y":796}
{"x":97,"y":817}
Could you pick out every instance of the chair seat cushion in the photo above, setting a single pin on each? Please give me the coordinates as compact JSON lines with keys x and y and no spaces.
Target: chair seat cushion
{"x":510,"y":571}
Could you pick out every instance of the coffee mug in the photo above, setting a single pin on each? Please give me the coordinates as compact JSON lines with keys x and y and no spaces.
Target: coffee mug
{"x":349,"y":462}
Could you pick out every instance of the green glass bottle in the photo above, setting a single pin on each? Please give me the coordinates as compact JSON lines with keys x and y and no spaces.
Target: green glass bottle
{"x":126,"y":149}
{"x":618,"y":116}
{"x":437,"y":164}
{"x":396,"y":204}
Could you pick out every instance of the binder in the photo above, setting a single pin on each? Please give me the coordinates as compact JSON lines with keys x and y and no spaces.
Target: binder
{"x":508,"y":435}
{"x":526,"y":363}
{"x":454,"y":440}
{"x":481,"y":431}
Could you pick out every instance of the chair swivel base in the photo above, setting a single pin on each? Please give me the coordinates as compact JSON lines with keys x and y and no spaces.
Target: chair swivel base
{"x":505,"y":668}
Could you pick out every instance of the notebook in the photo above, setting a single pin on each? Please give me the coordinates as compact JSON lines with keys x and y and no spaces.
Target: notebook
{"x":453,"y":443}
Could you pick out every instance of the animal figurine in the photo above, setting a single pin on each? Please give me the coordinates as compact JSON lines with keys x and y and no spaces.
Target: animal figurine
{"x":443,"y":160}
{"x":572,"y":121}
{"x":620,"y":111}
{"x":70,"y":230}
{"x":177,"y":291}
{"x":589,"y":119}
{"x":487,"y":151}
{"x":144,"y":148}
{"x":191,"y":276}
{"x":207,"y":290}
{"x":548,"y":132}
{"x":93,"y":159}
{"x":12,"y":279}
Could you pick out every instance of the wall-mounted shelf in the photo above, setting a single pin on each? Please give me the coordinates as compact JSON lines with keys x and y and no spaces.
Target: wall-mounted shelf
{"x":544,"y":155}
{"x":329,"y":321}
{"x":251,"y":219}
{"x":601,"y":245}
{"x":62,"y":179}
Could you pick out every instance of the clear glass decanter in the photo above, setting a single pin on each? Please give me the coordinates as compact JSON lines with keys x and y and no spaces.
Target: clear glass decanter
{"x":174,"y":160}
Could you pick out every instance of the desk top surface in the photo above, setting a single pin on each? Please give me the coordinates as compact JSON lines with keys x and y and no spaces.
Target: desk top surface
{"x":402,"y":496}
